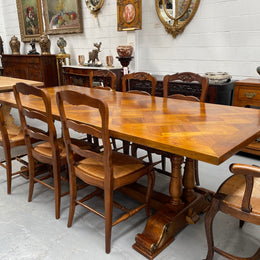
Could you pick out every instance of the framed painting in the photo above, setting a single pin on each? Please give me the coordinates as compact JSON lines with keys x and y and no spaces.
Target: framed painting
{"x":62,"y":16}
{"x":30,"y":19}
{"x":129,"y":15}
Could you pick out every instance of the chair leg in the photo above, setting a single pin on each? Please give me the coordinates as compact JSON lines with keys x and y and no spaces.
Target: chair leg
{"x":108,"y":198}
{"x":73,"y":196}
{"x":151,"y":181}
{"x":57,"y":189}
{"x":241,"y":223}
{"x":31,"y":178}
{"x":208,"y":226}
{"x":8,"y":163}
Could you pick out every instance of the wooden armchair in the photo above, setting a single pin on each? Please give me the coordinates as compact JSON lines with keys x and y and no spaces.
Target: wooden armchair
{"x":9,"y":140}
{"x":108,"y":170}
{"x":238,"y":196}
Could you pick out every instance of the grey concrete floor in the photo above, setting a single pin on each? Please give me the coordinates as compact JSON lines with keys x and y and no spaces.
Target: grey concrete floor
{"x":29,"y":230}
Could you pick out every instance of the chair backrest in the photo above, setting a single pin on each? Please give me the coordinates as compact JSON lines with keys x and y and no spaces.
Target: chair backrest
{"x":249,"y":172}
{"x":186,"y":77}
{"x":95,"y":110}
{"x":33,"y":130}
{"x":107,"y":77}
{"x":141,"y":77}
{"x":4,"y":139}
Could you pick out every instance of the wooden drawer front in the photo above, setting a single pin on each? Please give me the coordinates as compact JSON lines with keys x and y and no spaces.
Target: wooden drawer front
{"x":33,"y":60}
{"x":35,"y":73}
{"x":249,"y":94}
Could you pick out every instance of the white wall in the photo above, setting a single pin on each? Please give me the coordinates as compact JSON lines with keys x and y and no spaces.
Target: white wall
{"x":224,"y":35}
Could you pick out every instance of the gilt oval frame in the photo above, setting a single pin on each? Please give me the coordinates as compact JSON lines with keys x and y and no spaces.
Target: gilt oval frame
{"x":94,"y":9}
{"x":178,"y":26}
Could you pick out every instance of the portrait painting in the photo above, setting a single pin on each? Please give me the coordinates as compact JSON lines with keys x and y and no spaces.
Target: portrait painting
{"x":129,"y":15}
{"x":30,"y":19}
{"x":62,"y":16}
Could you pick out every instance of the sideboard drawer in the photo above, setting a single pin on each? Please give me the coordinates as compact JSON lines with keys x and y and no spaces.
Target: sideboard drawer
{"x":252,"y":95}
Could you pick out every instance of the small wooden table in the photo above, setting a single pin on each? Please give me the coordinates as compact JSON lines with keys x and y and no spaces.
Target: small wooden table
{"x":202,"y":131}
{"x":6,"y":84}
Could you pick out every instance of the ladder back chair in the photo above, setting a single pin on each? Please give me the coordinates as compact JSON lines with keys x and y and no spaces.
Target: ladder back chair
{"x":107,"y":170}
{"x":51,"y":150}
{"x":8,"y":141}
{"x":238,"y":196}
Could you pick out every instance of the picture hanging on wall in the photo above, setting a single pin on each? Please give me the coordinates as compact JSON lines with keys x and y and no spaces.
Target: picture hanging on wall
{"x":129,"y":15}
{"x":62,"y":16}
{"x":30,"y":19}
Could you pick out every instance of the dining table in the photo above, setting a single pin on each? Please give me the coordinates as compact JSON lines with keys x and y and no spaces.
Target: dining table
{"x":188,"y":130}
{"x":6,"y":85}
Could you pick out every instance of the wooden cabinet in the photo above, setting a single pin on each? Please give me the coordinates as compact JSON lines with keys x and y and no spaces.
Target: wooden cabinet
{"x":33,"y":67}
{"x":247,"y":94}
{"x":79,"y":75}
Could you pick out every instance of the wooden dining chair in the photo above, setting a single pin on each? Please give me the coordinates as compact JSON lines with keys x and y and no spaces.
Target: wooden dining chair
{"x":197,"y":90}
{"x":9,"y":140}
{"x":108,"y":170}
{"x":149,"y":83}
{"x":238,"y":196}
{"x":105,"y":78}
{"x":51,"y":150}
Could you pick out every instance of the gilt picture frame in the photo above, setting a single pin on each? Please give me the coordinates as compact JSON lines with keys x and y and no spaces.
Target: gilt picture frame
{"x":129,"y":15}
{"x":62,"y":16}
{"x":30,"y":19}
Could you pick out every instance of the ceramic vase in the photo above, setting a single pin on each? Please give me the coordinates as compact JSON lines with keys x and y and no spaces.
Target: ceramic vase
{"x":62,"y":44}
{"x":15,"y":45}
{"x":125,"y":51}
{"x":45,"y":44}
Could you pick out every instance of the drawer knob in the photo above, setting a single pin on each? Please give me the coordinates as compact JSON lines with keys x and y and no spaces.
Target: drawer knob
{"x":250,"y":94}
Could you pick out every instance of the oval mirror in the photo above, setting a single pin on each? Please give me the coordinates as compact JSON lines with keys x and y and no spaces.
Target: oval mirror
{"x":94,"y":6}
{"x":176,"y":14}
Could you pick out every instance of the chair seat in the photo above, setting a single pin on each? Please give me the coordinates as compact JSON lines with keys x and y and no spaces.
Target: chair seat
{"x":122,"y":166}
{"x":234,"y":188}
{"x":13,"y":137}
{"x":45,"y":148}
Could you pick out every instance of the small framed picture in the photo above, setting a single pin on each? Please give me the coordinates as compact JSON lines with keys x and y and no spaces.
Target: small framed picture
{"x":62,"y":16}
{"x":30,"y":19}
{"x":129,"y":15}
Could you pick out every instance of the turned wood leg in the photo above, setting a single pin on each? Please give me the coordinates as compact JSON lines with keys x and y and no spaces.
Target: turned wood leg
{"x":175,"y":188}
{"x":188,"y":180}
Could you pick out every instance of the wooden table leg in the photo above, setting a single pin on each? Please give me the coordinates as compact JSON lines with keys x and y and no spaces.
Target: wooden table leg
{"x":162,"y":227}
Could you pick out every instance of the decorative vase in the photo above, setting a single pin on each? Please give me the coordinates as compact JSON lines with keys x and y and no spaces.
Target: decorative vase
{"x":125,"y":51}
{"x":15,"y":45}
{"x":62,"y":44}
{"x":258,"y":70}
{"x":45,"y":44}
{"x":109,"y":61}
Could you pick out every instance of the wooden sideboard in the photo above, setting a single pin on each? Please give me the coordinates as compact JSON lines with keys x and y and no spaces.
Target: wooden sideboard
{"x":247,"y":94}
{"x":78,"y":75}
{"x":33,"y":67}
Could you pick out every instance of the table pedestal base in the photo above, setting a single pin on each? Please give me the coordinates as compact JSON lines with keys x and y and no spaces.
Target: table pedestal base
{"x":162,"y":227}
